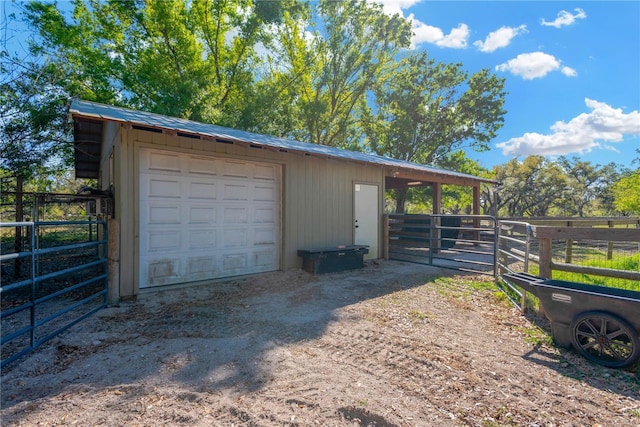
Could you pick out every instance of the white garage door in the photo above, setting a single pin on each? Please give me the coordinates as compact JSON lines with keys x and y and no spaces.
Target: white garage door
{"x":204,"y":218}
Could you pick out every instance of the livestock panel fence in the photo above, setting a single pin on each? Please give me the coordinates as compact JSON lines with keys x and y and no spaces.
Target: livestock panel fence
{"x":54,"y":274}
{"x":461,"y":242}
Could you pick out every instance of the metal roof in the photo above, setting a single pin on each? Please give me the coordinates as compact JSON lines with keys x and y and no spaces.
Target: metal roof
{"x":93,"y":110}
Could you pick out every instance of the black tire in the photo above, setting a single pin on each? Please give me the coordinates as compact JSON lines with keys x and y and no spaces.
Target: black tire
{"x":605,"y":339}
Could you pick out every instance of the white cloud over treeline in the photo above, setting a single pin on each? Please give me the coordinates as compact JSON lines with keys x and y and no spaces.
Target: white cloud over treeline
{"x":596,"y":129}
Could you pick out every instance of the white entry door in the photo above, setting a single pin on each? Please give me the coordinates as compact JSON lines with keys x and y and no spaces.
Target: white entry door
{"x":206,"y":217}
{"x":366,"y":218}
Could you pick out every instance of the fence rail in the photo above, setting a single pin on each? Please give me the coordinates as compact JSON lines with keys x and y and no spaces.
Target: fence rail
{"x":461,"y":242}
{"x":521,"y":244}
{"x":61,"y":285}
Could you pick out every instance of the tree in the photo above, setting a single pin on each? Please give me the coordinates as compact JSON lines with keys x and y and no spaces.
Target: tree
{"x":530,"y":187}
{"x":190,"y":59}
{"x":586,"y":183}
{"x":626,"y":193}
{"x":33,"y":128}
{"x":323,"y":71}
{"x":424,"y":110}
{"x":34,"y":132}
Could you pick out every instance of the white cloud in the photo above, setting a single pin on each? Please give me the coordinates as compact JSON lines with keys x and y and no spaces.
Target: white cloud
{"x":500,"y":38}
{"x":568,"y":71}
{"x":583,"y":133}
{"x":392,"y":7}
{"x":565,"y":18}
{"x":423,"y":33}
{"x":533,"y":65}
{"x":457,"y":38}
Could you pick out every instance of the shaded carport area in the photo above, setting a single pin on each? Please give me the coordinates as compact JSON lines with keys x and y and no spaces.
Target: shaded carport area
{"x":464,"y":242}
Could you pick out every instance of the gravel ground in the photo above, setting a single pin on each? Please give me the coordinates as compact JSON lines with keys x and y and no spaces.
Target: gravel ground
{"x":393,"y":344}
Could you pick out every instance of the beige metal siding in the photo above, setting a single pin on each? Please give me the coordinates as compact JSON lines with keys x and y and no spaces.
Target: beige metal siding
{"x":317,"y":194}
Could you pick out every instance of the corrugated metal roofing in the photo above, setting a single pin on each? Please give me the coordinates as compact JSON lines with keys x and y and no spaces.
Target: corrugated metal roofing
{"x":80,"y":108}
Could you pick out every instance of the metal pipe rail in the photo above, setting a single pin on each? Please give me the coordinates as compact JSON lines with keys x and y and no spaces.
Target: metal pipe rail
{"x":33,"y":296}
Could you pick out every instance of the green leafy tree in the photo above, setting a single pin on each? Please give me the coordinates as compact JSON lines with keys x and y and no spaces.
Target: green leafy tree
{"x":586,"y":184}
{"x":191,"y":59}
{"x":34,"y":131}
{"x":321,"y":71}
{"x":530,"y":187}
{"x":455,"y":199}
{"x":626,"y":193}
{"x":425,"y":110}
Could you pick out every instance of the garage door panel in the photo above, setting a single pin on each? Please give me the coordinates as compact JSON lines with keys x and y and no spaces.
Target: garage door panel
{"x":264,"y":236}
{"x":266,"y":172}
{"x":263,"y":259}
{"x":234,"y":263}
{"x":201,"y":239}
{"x":202,"y":215}
{"x":160,"y":188}
{"x":163,"y":240}
{"x":204,"y":218}
{"x":201,"y":190}
{"x":158,"y":214}
{"x":201,"y":267}
{"x":235,"y":237}
{"x":236,"y":215}
{"x":236,"y":191}
{"x":166,"y":162}
{"x":264,"y":215}
{"x":236,"y":168}
{"x":163,"y":271}
{"x":202,"y":166}
{"x":264,"y":193}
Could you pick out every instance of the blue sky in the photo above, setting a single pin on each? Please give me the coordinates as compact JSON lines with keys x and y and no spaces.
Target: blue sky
{"x":572,"y":71}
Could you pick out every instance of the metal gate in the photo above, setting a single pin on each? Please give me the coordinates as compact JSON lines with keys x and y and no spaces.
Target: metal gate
{"x":461,"y":242}
{"x":54,"y":274}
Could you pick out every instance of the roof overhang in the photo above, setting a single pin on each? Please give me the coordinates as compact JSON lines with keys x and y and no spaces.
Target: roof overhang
{"x":88,"y":116}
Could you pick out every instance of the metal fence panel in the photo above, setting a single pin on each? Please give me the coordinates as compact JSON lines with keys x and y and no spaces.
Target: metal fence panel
{"x":461,"y":242}
{"x":54,"y":274}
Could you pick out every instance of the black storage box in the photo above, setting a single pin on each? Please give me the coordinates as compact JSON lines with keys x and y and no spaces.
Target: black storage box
{"x":333,"y":259}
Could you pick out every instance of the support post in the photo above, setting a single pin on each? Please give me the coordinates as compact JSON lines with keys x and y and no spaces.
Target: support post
{"x":568,"y":256}
{"x":114,"y":261}
{"x":610,"y":244}
{"x":545,"y":257}
{"x":476,"y":212}
{"x":437,"y":198}
{"x":385,"y":234}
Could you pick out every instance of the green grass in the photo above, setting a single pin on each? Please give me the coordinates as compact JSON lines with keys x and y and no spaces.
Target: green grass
{"x":627,"y":263}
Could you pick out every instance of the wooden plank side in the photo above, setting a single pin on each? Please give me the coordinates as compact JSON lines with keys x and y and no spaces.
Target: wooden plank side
{"x":587,"y":233}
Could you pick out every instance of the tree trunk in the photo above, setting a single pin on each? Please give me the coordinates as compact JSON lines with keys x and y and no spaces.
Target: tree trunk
{"x":401,"y":197}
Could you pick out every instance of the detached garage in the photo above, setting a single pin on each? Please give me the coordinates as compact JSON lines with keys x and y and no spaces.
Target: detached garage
{"x":206,"y":217}
{"x":196,"y":202}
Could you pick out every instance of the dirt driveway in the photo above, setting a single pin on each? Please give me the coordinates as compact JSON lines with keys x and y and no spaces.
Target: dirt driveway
{"x":393,"y":344}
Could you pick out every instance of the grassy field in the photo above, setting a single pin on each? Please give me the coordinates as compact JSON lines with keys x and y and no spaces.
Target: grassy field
{"x":627,"y":263}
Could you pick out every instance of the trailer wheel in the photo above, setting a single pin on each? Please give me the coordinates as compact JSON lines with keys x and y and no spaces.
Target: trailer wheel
{"x":605,"y":339}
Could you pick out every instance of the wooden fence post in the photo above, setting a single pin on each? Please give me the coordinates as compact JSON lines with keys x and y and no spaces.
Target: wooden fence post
{"x":610,"y":244}
{"x":545,"y":257}
{"x":568,"y":256}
